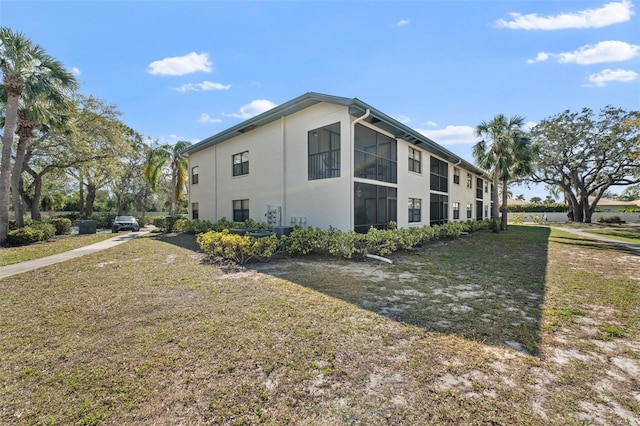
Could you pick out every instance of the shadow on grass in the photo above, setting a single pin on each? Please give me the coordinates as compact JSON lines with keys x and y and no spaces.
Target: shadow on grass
{"x":620,"y":246}
{"x":484,"y":287}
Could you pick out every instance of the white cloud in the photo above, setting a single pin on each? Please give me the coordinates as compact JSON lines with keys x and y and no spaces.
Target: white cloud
{"x":181,"y":65}
{"x":540,"y":57}
{"x":609,"y":14}
{"x":402,"y":23}
{"x":451,"y":135}
{"x":204,"y":86}
{"x":205,"y":118}
{"x":604,"y":51}
{"x":75,"y":71}
{"x":402,"y":118}
{"x":529,"y":125}
{"x":430,"y":123}
{"x":608,"y":75}
{"x":252,"y":109}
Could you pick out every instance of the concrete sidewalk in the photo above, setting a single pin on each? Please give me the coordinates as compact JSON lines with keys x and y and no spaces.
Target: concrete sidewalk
{"x":18,"y":268}
{"x":588,"y":235}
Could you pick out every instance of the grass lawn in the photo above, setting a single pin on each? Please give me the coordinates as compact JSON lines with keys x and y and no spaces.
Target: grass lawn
{"x":533,"y":326}
{"x":59,"y":244}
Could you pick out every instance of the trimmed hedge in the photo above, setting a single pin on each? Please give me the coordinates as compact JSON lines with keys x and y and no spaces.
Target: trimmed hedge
{"x":332,"y":242}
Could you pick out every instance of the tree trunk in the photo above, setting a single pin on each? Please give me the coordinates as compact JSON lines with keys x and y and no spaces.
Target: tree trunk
{"x":16,"y":174}
{"x":91,"y":197}
{"x":505,"y":211}
{"x":34,"y":203}
{"x":11,"y":121}
{"x":174,"y":191}
{"x":494,"y":200}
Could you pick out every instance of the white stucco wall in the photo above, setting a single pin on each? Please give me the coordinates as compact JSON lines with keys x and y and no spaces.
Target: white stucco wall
{"x":278,"y":175}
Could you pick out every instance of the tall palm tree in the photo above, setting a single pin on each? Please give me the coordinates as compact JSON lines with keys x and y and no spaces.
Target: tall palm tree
{"x":49,"y":110}
{"x":504,"y":154}
{"x":161,"y":157}
{"x":26,"y":69}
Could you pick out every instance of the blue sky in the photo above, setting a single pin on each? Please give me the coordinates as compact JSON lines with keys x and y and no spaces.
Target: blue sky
{"x":185,"y":70}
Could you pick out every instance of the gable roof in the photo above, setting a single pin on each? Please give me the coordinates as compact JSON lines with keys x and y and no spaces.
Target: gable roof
{"x":357,"y":108}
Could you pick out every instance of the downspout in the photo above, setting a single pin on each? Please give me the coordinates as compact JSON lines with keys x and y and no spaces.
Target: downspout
{"x":283,"y":211}
{"x":352,"y":140}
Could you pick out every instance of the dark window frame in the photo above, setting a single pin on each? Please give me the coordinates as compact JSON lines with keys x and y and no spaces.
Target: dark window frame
{"x":241,"y":167}
{"x":415,"y":164}
{"x":415,"y":210}
{"x":456,"y":210}
{"x":194,"y":175}
{"x":456,"y":176}
{"x":241,"y":211}
{"x":469,"y":211}
{"x":195,"y":211}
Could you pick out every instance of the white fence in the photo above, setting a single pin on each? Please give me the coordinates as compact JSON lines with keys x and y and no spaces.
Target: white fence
{"x":562,"y":216}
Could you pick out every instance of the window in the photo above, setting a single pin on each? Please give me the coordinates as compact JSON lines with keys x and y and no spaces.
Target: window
{"x":415,"y":160}
{"x":486,"y":211}
{"x":324,"y":152}
{"x":375,"y":155}
{"x":439,"y":209}
{"x":194,"y":175}
{"x":374,"y":206}
{"x":456,"y":210}
{"x":439,"y":175}
{"x":469,"y":181}
{"x":469,"y":211}
{"x":195,"y":211}
{"x":456,"y":176}
{"x":479,"y":187}
{"x":414,"y":210}
{"x":241,"y":164}
{"x":240,"y":210}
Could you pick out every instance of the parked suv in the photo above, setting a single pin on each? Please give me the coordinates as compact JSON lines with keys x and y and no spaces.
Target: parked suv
{"x":125,"y":223}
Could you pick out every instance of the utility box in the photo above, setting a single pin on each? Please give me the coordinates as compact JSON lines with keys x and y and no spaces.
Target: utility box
{"x":282,"y":230}
{"x":87,"y":226}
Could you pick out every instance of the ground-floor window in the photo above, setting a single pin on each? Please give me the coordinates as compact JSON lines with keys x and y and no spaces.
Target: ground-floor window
{"x":415,"y":210}
{"x":374,"y":205}
{"x":469,"y":211}
{"x":439,"y":209}
{"x":195,"y":211}
{"x":240,"y":210}
{"x":456,"y":210}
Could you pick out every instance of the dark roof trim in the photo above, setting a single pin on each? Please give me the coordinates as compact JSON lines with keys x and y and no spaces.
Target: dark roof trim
{"x":357,"y":108}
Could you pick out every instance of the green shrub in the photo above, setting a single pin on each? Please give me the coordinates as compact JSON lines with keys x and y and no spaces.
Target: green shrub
{"x":160,"y":222}
{"x":62,"y":225}
{"x":48,"y":230}
{"x":238,"y":248}
{"x":610,"y":219}
{"x":195,"y":226}
{"x":26,"y":235}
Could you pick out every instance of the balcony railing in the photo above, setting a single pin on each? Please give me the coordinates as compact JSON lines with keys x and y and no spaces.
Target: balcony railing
{"x":324,"y":165}
{"x":370,"y":166}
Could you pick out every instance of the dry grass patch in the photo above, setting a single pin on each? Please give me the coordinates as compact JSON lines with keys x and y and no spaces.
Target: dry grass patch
{"x":150,"y":332}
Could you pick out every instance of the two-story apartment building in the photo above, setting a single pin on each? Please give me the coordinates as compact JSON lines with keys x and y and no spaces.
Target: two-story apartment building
{"x":321,"y":160}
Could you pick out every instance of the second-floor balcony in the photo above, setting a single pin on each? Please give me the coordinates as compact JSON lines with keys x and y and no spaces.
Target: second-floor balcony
{"x":370,"y":166}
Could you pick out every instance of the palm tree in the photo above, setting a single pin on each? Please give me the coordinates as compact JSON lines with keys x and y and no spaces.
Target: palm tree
{"x":50,"y":110}
{"x":26,"y":69}
{"x":163,"y":156}
{"x":507,"y":155}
